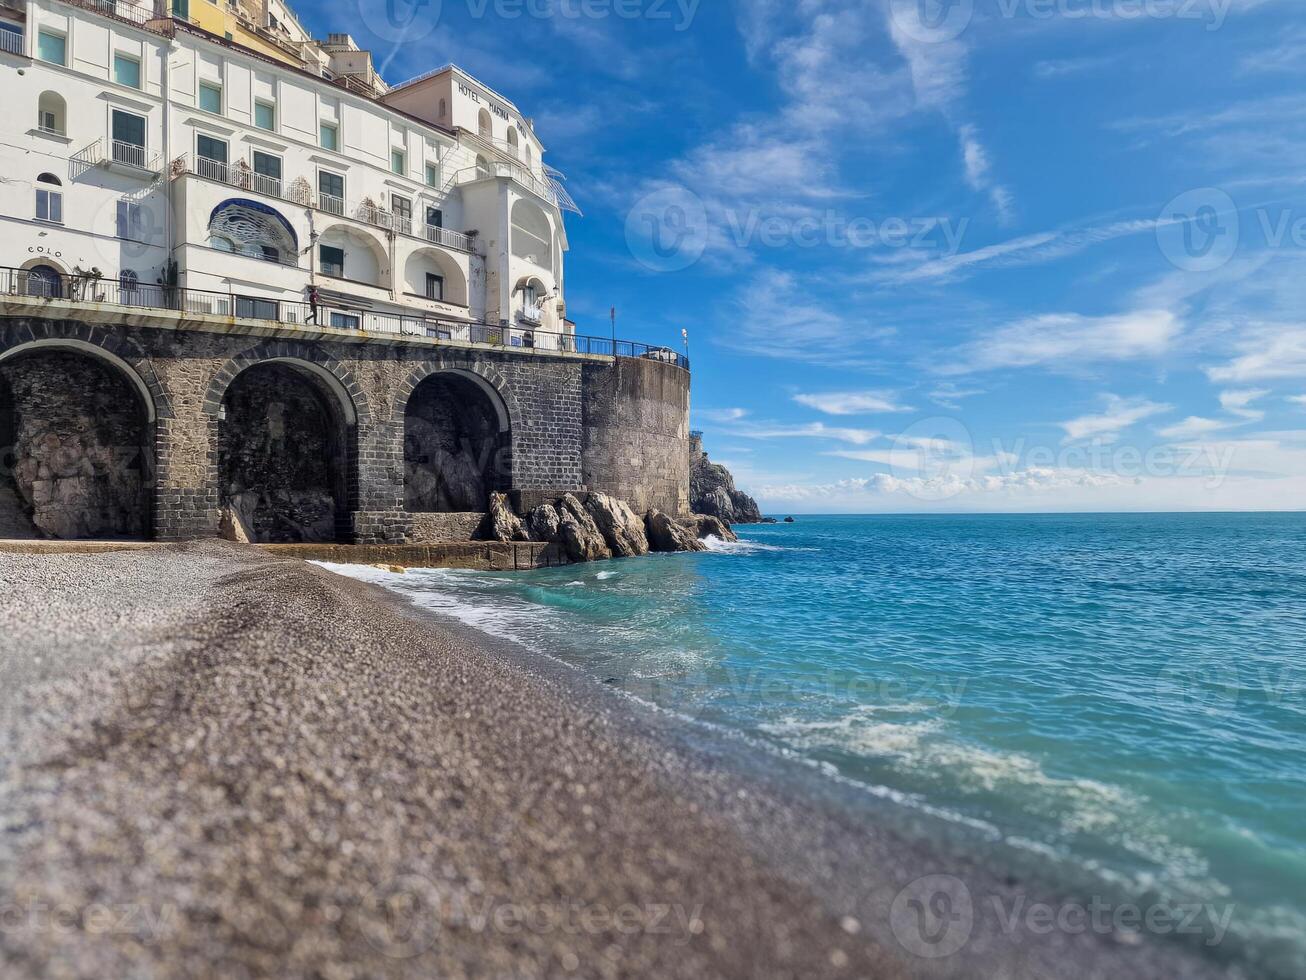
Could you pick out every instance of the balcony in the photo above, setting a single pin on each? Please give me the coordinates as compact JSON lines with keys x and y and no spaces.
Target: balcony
{"x":239,"y":175}
{"x":11,"y":42}
{"x":127,"y":158}
{"x":140,"y":15}
{"x":113,"y":300}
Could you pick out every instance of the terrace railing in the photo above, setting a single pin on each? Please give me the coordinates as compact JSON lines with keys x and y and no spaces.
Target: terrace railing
{"x":128,"y":293}
{"x":11,"y":42}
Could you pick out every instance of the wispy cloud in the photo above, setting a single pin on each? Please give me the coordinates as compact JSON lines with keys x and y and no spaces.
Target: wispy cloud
{"x":1119,"y":414}
{"x":852,"y":402}
{"x":1266,"y":352}
{"x":721,"y":414}
{"x":1068,"y":341}
{"x":809,"y":430}
{"x":1194,"y":427}
{"x":1239,"y":403}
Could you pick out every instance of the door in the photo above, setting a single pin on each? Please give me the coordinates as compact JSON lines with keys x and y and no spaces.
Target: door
{"x":128,"y":137}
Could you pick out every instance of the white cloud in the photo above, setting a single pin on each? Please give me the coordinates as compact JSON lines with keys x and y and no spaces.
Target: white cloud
{"x":721,"y":414}
{"x":852,"y":402}
{"x":1193,"y":427}
{"x":1068,"y":340}
{"x":1238,"y":402}
{"x":979,"y":171}
{"x":809,"y":430}
{"x":1298,"y":400}
{"x":1265,"y":353}
{"x":1119,"y":415}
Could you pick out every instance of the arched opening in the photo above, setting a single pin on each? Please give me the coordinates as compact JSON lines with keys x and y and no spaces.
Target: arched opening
{"x":457,"y":445}
{"x":514,"y":142}
{"x":78,"y":447}
{"x":485,"y":125}
{"x":432,"y":274}
{"x":347,"y":253}
{"x":52,"y":114}
{"x":43,"y":280}
{"x":253,"y":229}
{"x":532,"y":235}
{"x":285,"y":440}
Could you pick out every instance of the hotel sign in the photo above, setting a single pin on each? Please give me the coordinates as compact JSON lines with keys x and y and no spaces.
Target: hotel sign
{"x":475,"y":96}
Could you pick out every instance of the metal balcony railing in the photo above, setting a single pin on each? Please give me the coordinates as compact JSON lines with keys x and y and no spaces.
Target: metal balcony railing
{"x":11,"y":42}
{"x":129,"y":293}
{"x":445,"y":236}
{"x":331,"y":204}
{"x":140,"y":14}
{"x":238,"y":176}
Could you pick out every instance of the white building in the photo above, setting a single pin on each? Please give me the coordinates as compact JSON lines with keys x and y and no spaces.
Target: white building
{"x":145,"y":153}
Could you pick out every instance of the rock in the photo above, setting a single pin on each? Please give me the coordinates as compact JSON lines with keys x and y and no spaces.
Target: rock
{"x":396,"y":569}
{"x":501,"y":523}
{"x":543,"y":523}
{"x":789,"y":520}
{"x":233,"y":528}
{"x":578,"y":534}
{"x":622,"y":530}
{"x":712,"y":491}
{"x":664,"y":534}
{"x":704,"y":526}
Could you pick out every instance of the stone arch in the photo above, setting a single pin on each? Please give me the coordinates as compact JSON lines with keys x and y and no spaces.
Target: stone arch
{"x":353,"y":401}
{"x":120,"y":351}
{"x":285,"y":451}
{"x":484,"y":376}
{"x":457,"y":442}
{"x":79,"y":440}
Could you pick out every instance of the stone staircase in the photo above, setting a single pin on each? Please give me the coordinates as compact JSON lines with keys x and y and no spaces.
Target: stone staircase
{"x":14,"y":522}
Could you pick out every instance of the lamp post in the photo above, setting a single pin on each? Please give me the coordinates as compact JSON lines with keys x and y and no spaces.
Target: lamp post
{"x":684,"y":335}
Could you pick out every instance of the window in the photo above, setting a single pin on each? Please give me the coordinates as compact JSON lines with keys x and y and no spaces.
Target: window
{"x":52,"y":47}
{"x":211,"y":158}
{"x":484,"y":125}
{"x":128,"y":131}
{"x":181,"y":8}
{"x":329,"y":136}
{"x":397,"y":161}
{"x":331,"y":259}
{"x":444,"y":108}
{"x":44,"y":280}
{"x":434,"y":218}
{"x":331,"y":191}
{"x":256,"y":309}
{"x":265,"y":115}
{"x":432,"y":175}
{"x":127,"y":70}
{"x":346,"y":321}
{"x":267,"y":171}
{"x":128,"y":281}
{"x":49,"y":202}
{"x":434,"y":286}
{"x":131,"y":221}
{"x":403,"y":209}
{"x":211,"y":97}
{"x":50,"y":112}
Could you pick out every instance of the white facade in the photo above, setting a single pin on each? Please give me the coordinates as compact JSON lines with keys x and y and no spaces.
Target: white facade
{"x":157,"y":143}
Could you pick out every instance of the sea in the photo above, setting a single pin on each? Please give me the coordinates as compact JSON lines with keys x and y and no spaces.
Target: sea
{"x":1114,"y":702}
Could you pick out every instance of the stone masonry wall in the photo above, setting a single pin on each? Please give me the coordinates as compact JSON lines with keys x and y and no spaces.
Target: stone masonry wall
{"x":621,"y":428}
{"x":637,"y":433}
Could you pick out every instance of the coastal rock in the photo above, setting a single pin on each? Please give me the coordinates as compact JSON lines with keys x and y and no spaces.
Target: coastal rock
{"x":664,"y":534}
{"x":578,"y":534}
{"x":622,"y":529}
{"x":712,"y":491}
{"x":543,"y":523}
{"x":237,"y":518}
{"x":501,"y":523}
{"x":704,"y":526}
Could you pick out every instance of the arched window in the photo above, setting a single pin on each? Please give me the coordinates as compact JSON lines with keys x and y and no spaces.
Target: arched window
{"x":482,"y":167}
{"x":485,"y":126}
{"x":253,"y":229}
{"x":444,"y":108}
{"x":44,"y":280}
{"x":530,"y":156}
{"x":128,"y":282}
{"x":48,"y":178}
{"x":514,"y":142}
{"x":51,"y":114}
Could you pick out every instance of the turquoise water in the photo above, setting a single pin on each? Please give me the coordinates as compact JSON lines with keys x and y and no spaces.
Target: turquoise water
{"x":1118,"y":701}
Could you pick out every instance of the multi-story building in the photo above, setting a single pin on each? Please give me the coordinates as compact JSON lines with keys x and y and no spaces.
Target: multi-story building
{"x":215,"y":155}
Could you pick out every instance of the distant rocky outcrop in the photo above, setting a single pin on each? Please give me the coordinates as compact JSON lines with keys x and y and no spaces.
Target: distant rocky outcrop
{"x":595,"y":526}
{"x":712,"y":491}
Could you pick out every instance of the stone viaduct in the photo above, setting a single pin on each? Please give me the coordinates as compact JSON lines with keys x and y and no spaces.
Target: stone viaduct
{"x":162,"y":425}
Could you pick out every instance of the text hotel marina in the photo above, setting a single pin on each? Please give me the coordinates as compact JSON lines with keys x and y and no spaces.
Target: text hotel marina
{"x":240,"y":273}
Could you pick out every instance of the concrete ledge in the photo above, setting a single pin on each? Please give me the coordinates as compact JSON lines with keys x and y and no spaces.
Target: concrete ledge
{"x":46,"y":546}
{"x":486,"y":556}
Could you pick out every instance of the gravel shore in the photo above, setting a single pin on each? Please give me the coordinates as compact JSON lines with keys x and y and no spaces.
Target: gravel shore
{"x":218,"y":763}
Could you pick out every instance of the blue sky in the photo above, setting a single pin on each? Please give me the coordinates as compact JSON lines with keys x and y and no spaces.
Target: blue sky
{"x":955,"y":255}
